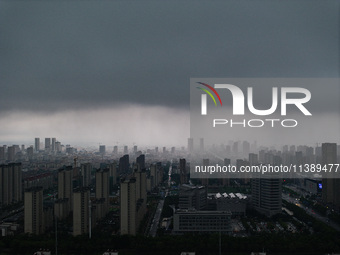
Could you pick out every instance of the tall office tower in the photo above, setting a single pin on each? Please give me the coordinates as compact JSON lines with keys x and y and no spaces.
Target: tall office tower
{"x":140,"y":176}
{"x":140,"y":161}
{"x":190,"y":144}
{"x":86,"y":170}
{"x":102,"y":149}
{"x":245,"y":148}
{"x":267,"y":195}
{"x":156,"y":150}
{"x":204,"y":178}
{"x":226,"y":181}
{"x":262,"y":156}
{"x":37,"y":144}
{"x":2,"y":153}
{"x":115,"y":149}
{"x":47,"y":144}
{"x":103,"y":187}
{"x":17,"y":182}
{"x":33,"y":211}
{"x":201,"y":144}
{"x":330,"y":186}
{"x":16,"y":148}
{"x":65,"y":186}
{"x":292,"y":149}
{"x":226,"y":161}
{"x":154,"y":175}
{"x":30,"y":152}
{"x":164,"y":150}
{"x":126,"y":151}
{"x":310,"y":157}
{"x":253,"y":159}
{"x":285,"y":148}
{"x":4,"y":186}
{"x":10,"y":183}
{"x":235,"y":149}
{"x":22,"y":147}
{"x":58,"y":146}
{"x":53,"y":148}
{"x":183,"y":170}
{"x":11,"y":153}
{"x":81,"y":211}
{"x":124,"y":164}
{"x":113,"y":173}
{"x":128,"y":207}
{"x":172,"y":150}
{"x":228,"y":150}
{"x":135,"y":149}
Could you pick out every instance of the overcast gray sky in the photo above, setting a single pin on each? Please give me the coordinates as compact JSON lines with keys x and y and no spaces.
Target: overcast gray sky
{"x":93,"y":71}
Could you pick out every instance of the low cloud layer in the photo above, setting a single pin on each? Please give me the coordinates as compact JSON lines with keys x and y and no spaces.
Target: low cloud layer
{"x":126,"y":125}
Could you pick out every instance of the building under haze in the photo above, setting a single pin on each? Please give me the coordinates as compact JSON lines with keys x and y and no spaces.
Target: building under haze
{"x":128,"y":207}
{"x":124,"y":164}
{"x":267,"y":195}
{"x":103,"y":188}
{"x":85,"y":174}
{"x":53,"y":148}
{"x":81,"y":211}
{"x":33,"y":211}
{"x":11,"y":153}
{"x":37,"y":144}
{"x":190,"y":144}
{"x":10,"y":184}
{"x":330,"y":186}
{"x":63,"y":205}
{"x":183,"y":171}
{"x":47,"y":144}
{"x":102,"y":149}
{"x":113,"y":174}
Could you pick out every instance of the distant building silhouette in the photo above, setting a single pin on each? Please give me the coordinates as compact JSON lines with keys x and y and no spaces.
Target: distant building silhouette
{"x":124,"y":164}
{"x":37,"y":144}
{"x":102,"y":149}
{"x":53,"y":147}
{"x":190,"y":144}
{"x":47,"y":144}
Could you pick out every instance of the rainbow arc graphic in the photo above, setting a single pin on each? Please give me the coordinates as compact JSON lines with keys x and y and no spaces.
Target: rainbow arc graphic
{"x":209,"y":93}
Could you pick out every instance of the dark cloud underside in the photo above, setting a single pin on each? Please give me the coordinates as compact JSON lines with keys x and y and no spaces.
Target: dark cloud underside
{"x":75,"y":54}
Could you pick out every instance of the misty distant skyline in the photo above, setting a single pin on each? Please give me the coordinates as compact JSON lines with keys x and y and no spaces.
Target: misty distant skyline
{"x":119,"y":71}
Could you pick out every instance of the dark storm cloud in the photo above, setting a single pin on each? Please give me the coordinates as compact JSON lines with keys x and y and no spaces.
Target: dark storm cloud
{"x":74,"y":54}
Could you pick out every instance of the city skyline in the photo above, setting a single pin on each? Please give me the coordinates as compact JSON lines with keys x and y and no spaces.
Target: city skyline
{"x":170,"y":127}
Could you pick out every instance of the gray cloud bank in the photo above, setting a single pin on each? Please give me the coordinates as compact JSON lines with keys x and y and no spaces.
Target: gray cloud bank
{"x":62,"y":57}
{"x":74,"y":54}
